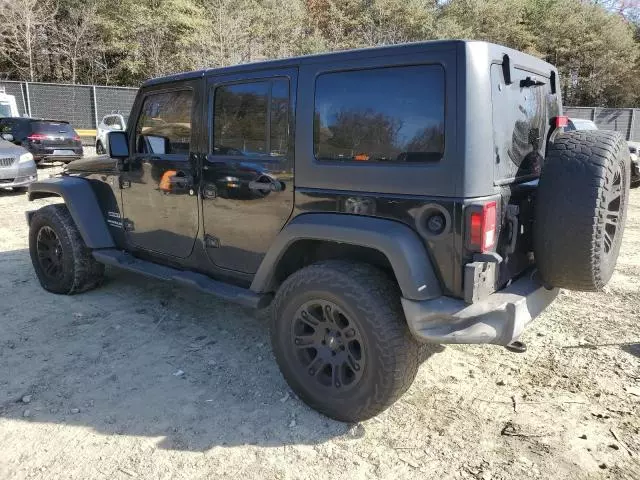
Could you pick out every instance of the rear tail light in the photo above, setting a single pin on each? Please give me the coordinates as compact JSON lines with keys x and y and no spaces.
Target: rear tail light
{"x":77,"y":138}
{"x":37,"y":136}
{"x":481,"y":227}
{"x":561,"y":121}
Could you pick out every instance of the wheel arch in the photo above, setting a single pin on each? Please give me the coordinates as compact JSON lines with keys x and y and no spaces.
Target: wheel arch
{"x":385,"y":243}
{"x":82,"y":204}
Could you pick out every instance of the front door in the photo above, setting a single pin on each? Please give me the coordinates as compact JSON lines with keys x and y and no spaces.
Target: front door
{"x":247,"y":176}
{"x":159,"y":195}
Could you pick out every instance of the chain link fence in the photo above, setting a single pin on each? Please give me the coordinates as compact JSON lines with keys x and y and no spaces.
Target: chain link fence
{"x":623,"y":120}
{"x":81,"y":105}
{"x":85,"y":105}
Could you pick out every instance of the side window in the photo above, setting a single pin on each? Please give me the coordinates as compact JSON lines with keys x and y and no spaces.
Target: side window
{"x":164,"y":125}
{"x":251,"y":119}
{"x":391,"y":114}
{"x":16,"y":129}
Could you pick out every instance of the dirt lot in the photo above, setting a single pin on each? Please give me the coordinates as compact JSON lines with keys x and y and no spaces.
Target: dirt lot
{"x":91,"y":387}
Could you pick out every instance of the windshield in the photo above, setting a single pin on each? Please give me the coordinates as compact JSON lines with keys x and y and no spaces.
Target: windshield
{"x":5,"y":110}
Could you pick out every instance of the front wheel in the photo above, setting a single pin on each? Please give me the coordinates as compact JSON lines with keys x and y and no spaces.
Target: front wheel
{"x":60,"y":258}
{"x":341,"y":341}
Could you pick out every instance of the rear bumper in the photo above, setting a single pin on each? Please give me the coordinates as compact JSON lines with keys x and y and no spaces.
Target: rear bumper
{"x":499,"y":319}
{"x":56,"y":154}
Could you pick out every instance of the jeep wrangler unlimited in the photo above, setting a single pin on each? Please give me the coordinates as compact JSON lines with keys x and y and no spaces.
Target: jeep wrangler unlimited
{"x":375,"y":199}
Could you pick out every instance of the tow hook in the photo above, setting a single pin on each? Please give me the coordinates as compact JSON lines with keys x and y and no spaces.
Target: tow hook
{"x":516,"y":347}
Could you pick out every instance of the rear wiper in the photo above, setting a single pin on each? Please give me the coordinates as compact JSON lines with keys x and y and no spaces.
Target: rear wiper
{"x":530,"y":82}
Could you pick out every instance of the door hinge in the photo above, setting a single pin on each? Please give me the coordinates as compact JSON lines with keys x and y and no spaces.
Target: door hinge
{"x":128,"y":225}
{"x":211,"y":242}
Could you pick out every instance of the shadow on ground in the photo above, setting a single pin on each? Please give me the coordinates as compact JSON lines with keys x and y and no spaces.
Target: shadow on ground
{"x":142,"y":357}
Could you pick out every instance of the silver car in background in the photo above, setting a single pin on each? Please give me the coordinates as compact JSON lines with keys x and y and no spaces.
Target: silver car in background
{"x":109,"y":123}
{"x":17,"y":168}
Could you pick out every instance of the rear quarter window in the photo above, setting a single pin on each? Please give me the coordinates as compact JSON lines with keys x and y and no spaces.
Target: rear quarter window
{"x":390,"y":115}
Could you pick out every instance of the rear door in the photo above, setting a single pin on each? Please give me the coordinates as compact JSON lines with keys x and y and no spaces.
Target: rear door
{"x":248,"y":172}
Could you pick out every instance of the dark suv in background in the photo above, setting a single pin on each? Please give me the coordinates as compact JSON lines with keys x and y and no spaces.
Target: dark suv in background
{"x":47,"y":140}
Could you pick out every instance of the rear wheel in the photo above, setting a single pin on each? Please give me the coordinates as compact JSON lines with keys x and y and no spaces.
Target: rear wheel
{"x":100,"y":148}
{"x":341,"y":341}
{"x":60,"y":258}
{"x":581,"y":206}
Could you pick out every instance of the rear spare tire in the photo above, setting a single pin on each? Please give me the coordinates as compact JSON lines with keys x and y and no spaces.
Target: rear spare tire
{"x":581,"y":206}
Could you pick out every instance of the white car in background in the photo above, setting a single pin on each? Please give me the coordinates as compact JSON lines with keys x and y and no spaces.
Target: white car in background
{"x":580,"y":124}
{"x":110,"y":123}
{"x":8,"y":106}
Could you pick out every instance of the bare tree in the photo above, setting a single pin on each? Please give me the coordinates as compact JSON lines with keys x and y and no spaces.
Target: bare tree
{"x":75,"y":37}
{"x":23,"y":26}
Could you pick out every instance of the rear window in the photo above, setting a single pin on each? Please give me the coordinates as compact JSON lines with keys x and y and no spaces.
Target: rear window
{"x":52,"y":128}
{"x":392,"y":114}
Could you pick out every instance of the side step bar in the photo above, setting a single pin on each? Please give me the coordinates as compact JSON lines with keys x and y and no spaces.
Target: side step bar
{"x":225,"y":291}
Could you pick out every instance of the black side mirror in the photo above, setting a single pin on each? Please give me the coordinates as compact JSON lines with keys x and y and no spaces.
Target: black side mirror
{"x":118,"y":145}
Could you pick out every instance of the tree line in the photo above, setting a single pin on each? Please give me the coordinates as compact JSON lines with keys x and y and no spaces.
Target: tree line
{"x":594,"y":43}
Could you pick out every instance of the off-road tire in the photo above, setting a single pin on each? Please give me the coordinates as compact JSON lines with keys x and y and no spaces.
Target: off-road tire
{"x":573,"y":241}
{"x":79,"y":270}
{"x":372,"y":302}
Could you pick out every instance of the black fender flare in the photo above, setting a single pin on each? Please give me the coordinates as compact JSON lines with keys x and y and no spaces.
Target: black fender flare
{"x":398,"y":242}
{"x":82,"y":204}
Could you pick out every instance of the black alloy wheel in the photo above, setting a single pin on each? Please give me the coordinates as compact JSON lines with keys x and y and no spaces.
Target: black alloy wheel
{"x":615,"y":204}
{"x":50,"y":254}
{"x":329,"y":345}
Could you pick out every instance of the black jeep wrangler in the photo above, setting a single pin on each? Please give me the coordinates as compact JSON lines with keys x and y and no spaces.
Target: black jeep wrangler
{"x":375,"y":199}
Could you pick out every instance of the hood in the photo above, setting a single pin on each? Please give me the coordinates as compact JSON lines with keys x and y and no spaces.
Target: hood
{"x":8,"y":148}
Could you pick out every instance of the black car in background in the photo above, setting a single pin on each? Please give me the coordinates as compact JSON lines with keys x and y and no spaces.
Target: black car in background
{"x":47,"y":140}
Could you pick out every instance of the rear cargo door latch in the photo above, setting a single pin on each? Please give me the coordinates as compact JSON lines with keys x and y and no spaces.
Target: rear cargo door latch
{"x":512,"y":217}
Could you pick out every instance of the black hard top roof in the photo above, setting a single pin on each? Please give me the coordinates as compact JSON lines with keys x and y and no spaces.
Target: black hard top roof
{"x":320,"y":57}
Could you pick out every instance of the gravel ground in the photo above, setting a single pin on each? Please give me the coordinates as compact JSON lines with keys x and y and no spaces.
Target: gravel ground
{"x":141,"y":379}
